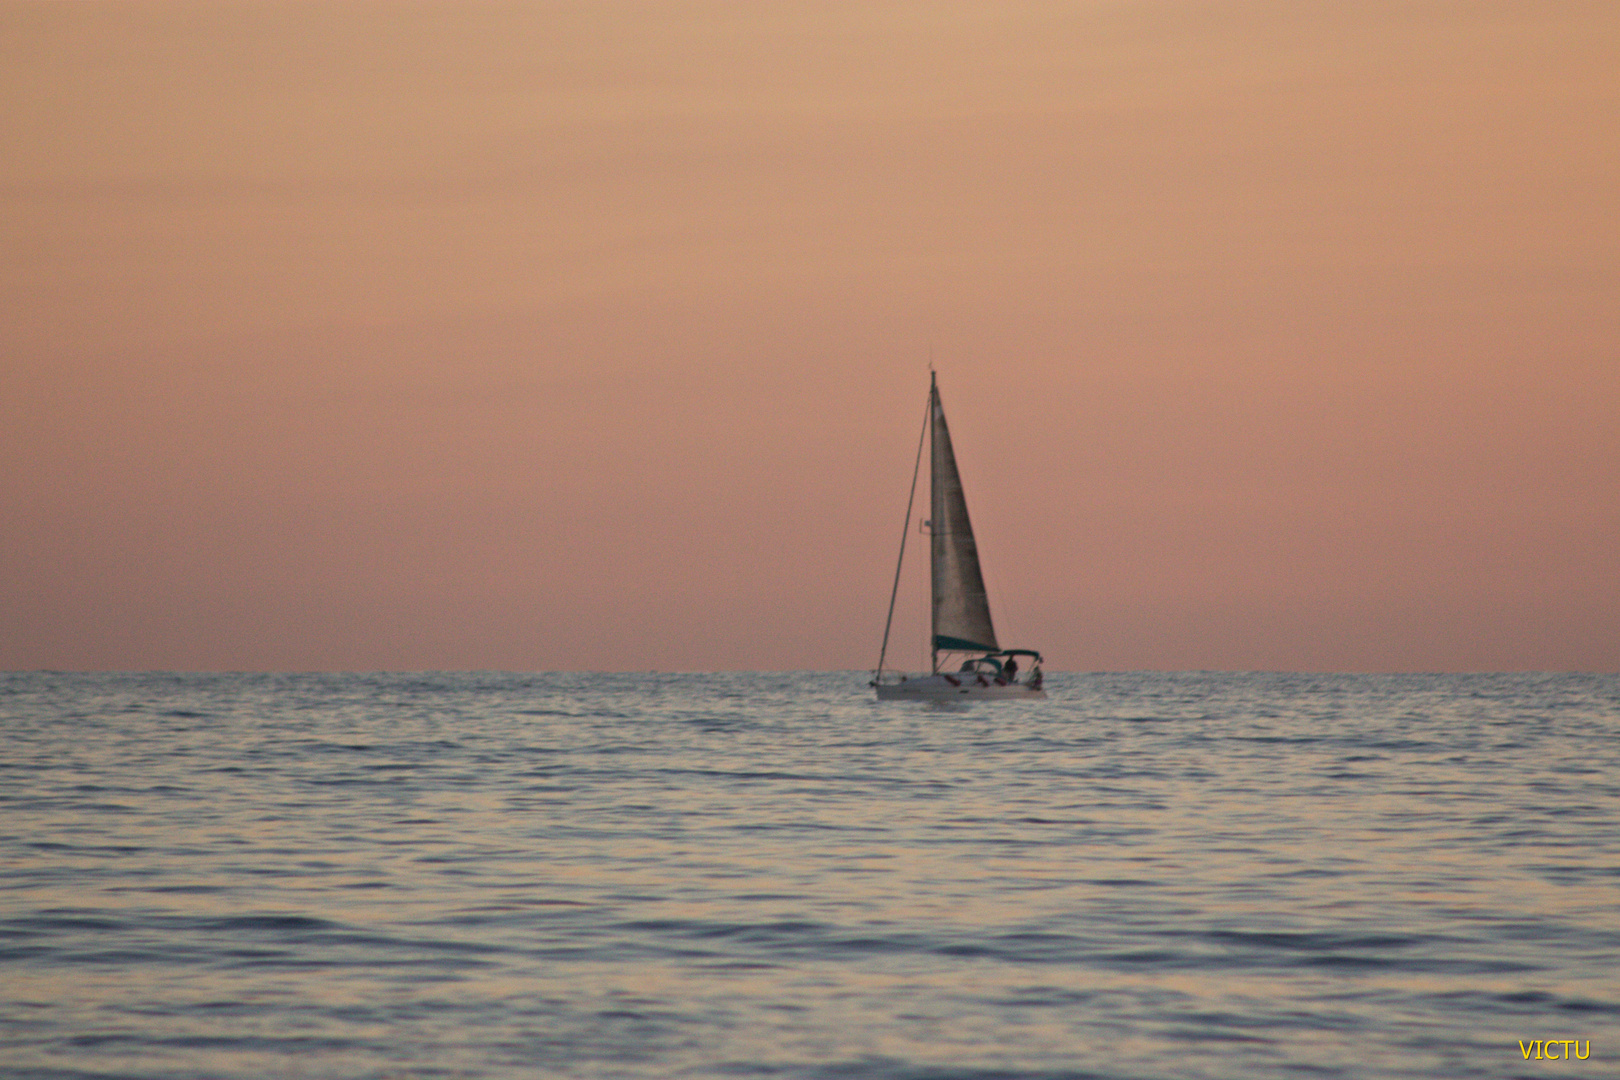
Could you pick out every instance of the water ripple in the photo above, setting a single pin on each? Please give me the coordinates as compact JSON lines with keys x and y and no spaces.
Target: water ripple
{"x":769,"y":875}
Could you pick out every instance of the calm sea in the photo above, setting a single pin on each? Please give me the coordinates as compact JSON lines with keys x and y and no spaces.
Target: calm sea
{"x":772,"y":875}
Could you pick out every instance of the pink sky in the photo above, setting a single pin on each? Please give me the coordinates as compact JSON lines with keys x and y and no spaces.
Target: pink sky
{"x":595,"y":335}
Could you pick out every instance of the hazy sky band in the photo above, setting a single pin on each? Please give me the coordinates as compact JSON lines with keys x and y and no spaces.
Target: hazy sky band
{"x":594,"y":335}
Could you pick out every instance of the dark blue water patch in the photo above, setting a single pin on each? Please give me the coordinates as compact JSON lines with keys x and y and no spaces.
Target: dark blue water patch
{"x":26,"y":954}
{"x":879,"y":1068}
{"x":288,"y":1044}
{"x":1216,"y":1032}
{"x":167,"y":955}
{"x":1523,"y":1003}
{"x":1313,"y":941}
{"x":59,"y":921}
{"x":275,"y":923}
{"x":1045,"y":997}
{"x":517,"y":913}
{"x":36,"y":1072}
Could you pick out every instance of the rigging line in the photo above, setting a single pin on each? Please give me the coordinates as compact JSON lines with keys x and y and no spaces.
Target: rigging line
{"x":905,"y":530}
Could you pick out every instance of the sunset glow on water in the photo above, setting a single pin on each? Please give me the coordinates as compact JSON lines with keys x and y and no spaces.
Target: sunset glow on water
{"x":773,"y":875}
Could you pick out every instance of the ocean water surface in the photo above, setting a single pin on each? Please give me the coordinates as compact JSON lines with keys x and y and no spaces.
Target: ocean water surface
{"x":772,"y":875}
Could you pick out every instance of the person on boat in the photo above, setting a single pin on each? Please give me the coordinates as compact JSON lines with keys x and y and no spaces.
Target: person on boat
{"x":1010,"y":668}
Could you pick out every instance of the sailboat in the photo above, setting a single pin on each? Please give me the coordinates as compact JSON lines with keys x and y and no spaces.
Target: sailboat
{"x":967,"y":660}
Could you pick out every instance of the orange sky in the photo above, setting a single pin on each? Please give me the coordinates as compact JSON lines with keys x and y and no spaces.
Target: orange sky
{"x":595,"y":335}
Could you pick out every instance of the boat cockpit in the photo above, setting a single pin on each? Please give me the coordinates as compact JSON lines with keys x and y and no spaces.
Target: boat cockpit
{"x":1003,"y":666}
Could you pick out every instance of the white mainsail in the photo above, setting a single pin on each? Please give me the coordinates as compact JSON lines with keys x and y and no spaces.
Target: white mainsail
{"x":961,"y":608}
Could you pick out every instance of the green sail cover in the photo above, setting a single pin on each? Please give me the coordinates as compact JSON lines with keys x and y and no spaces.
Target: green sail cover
{"x":961,"y":608}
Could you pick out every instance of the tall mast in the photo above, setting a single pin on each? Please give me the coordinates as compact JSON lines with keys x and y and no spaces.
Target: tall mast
{"x":933,"y":488}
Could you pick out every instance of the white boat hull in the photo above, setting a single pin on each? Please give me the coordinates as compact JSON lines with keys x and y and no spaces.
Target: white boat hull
{"x":954,"y":688}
